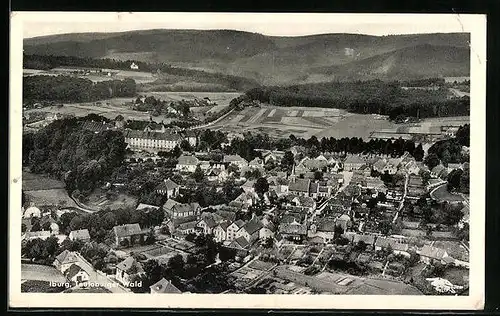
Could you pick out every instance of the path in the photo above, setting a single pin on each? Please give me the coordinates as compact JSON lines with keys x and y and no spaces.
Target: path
{"x":213,"y":122}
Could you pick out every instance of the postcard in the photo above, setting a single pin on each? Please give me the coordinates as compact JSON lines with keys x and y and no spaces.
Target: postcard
{"x":247,"y":160}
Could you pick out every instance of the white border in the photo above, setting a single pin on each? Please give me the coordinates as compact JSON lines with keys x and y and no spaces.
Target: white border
{"x":475,"y":24}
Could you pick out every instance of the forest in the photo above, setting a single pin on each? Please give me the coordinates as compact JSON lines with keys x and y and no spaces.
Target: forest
{"x":365,"y":97}
{"x":49,"y":62}
{"x":81,"y":158}
{"x":72,"y":89}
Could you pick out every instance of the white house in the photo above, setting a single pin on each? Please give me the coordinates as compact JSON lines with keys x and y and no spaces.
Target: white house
{"x":76,"y":275}
{"x":233,"y":229}
{"x":187,"y":163}
{"x":133,"y":66}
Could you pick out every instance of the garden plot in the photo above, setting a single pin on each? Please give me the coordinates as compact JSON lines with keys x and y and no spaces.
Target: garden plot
{"x":237,"y":118}
{"x":271,"y":114}
{"x":256,"y":116}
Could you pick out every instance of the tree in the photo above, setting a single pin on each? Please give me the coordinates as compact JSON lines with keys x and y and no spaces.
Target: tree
{"x":337,"y":231}
{"x":198,"y":174}
{"x":186,"y":146}
{"x":287,"y":161}
{"x":431,"y":161}
{"x":418,"y":153}
{"x":385,"y":227}
{"x":261,"y":186}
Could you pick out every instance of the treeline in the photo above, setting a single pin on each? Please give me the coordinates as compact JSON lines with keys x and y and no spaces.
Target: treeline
{"x":313,"y":147}
{"x":80,"y":157}
{"x":72,"y":89}
{"x":48,"y":62}
{"x":365,"y":97}
{"x":423,"y":82}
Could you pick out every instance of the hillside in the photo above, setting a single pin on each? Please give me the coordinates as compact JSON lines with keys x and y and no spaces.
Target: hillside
{"x":270,"y":59}
{"x":421,"y":61}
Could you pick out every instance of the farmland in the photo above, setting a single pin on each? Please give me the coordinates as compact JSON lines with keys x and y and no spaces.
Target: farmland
{"x":321,"y":122}
{"x":111,"y":108}
{"x":42,"y":190}
{"x":138,"y":76}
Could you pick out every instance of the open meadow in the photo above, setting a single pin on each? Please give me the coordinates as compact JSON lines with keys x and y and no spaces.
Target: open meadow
{"x":325,"y":122}
{"x":42,"y":190}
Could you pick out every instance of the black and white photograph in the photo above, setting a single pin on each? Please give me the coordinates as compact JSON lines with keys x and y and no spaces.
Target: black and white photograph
{"x":247,"y":160}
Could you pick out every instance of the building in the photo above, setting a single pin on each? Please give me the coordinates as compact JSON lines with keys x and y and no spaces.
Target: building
{"x":187,"y":163}
{"x":397,"y":246}
{"x":299,"y":187}
{"x":127,"y":270}
{"x":324,"y":229}
{"x":65,"y":260}
{"x":146,"y":207}
{"x":256,"y":163}
{"x":76,"y":275}
{"x":176,"y":210}
{"x":293,"y":230}
{"x":81,"y":235}
{"x":233,"y":229}
{"x":32,"y":211}
{"x":236,"y":160}
{"x":250,"y":231}
{"x":220,"y":231}
{"x":429,"y":254}
{"x":156,"y":141}
{"x":128,"y":235}
{"x":353,"y":162}
{"x":134,"y":66}
{"x":206,"y":225}
{"x":164,"y":286}
{"x":267,"y":231}
{"x":168,"y":188}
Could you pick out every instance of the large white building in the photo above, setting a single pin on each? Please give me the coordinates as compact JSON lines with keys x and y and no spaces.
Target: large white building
{"x":151,"y":140}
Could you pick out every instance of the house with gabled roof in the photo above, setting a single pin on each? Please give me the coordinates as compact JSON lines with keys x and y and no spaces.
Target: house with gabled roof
{"x":429,"y":254}
{"x":250,"y":231}
{"x":220,"y":231}
{"x":323,"y":228}
{"x":168,"y":188}
{"x":398,"y":246}
{"x":81,"y":235}
{"x":256,"y":163}
{"x":128,"y":234}
{"x":163,"y":286}
{"x":76,"y":275}
{"x":293,"y":230}
{"x":187,"y":163}
{"x":236,"y":160}
{"x":127,"y":269}
{"x":267,"y":230}
{"x":233,"y":228}
{"x":64,"y":260}
{"x":353,"y":162}
{"x":206,"y":225}
{"x":299,"y":187}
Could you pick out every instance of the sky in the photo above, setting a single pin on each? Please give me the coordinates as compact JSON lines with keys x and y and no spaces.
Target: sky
{"x":275,"y":24}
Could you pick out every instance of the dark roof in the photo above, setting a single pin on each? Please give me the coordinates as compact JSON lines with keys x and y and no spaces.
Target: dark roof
{"x":241,"y":242}
{"x":164,"y":286}
{"x":127,"y":230}
{"x":293,"y":228}
{"x":67,"y":257}
{"x":128,"y":264}
{"x":326,"y":225}
{"x":252,"y":226}
{"x":230,"y":216}
{"x":239,"y":223}
{"x":73,"y":270}
{"x":187,"y":160}
{"x":313,"y":188}
{"x":170,"y":204}
{"x":299,"y":185}
{"x":151,"y":135}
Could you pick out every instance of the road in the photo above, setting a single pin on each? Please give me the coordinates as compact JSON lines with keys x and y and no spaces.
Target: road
{"x":401,"y":204}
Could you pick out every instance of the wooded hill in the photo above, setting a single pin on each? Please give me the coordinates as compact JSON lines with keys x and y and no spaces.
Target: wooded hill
{"x":274,"y":60}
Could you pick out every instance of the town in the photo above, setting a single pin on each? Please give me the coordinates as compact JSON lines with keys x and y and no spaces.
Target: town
{"x":157,"y":209}
{"x":170,"y":161}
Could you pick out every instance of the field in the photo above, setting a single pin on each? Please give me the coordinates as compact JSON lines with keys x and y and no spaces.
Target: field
{"x":442,"y":194}
{"x":37,"y":286}
{"x":41,"y":273}
{"x":42,"y":190}
{"x":321,"y":122}
{"x":100,"y":200}
{"x":111,"y":108}
{"x":138,"y":76}
{"x":34,"y":182}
